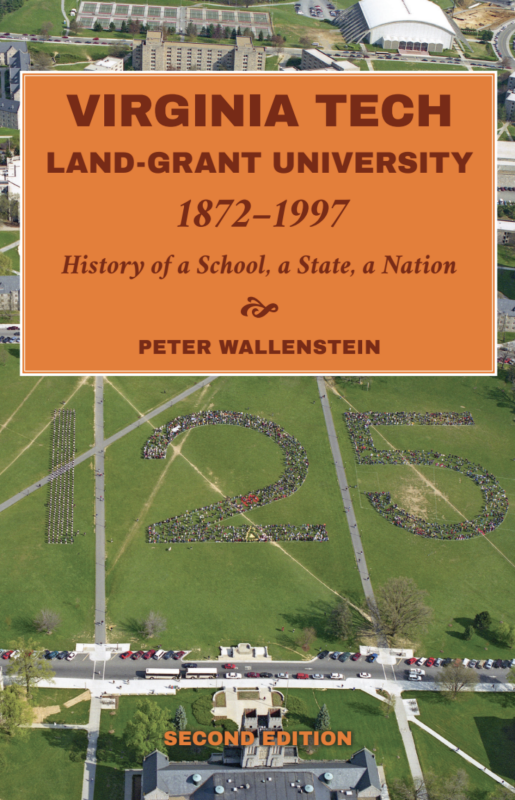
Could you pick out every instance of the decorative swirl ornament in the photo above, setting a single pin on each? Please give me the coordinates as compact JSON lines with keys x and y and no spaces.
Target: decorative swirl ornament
{"x":258,"y":308}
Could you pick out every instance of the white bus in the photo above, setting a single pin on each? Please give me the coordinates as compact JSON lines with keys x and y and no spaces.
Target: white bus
{"x":164,"y":674}
{"x":201,"y":672}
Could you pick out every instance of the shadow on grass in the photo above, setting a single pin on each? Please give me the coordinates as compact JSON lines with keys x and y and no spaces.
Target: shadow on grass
{"x":482,"y":633}
{"x":74,"y":742}
{"x":15,"y":351}
{"x":109,"y":783}
{"x":24,"y":625}
{"x":316,"y":616}
{"x":131,"y":626}
{"x":498,"y":738}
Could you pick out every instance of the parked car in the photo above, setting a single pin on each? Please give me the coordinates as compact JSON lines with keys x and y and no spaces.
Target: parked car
{"x":233,"y":675}
{"x":317,"y":676}
{"x":13,"y":328}
{"x":301,"y":676}
{"x":158,"y":654}
{"x":190,"y":666}
{"x":421,"y":662}
{"x":229,"y":666}
{"x":127,"y":654}
{"x":266,"y":675}
{"x":179,"y":654}
{"x":167,"y":655}
{"x":323,"y":654}
{"x":438,"y":662}
{"x":252,"y":674}
{"x":446,"y":662}
{"x":410,"y":661}
{"x":497,"y":663}
{"x":489,"y":664}
{"x":465,"y":662}
{"x":414,"y":677}
{"x":336,"y":654}
{"x":149,"y":654}
{"x":480,"y":664}
{"x":71,"y":655}
{"x":344,"y":657}
{"x":430,"y":662}
{"x":505,"y":664}
{"x":364,"y":675}
{"x":135,"y":656}
{"x":473,"y":662}
{"x":62,"y":655}
{"x":372,"y":657}
{"x":51,"y":655}
{"x":7,"y":654}
{"x":337,"y":676}
{"x":355,"y":657}
{"x":282,"y":675}
{"x":417,"y":671}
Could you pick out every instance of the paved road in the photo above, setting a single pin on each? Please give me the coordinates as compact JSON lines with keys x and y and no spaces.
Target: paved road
{"x":348,"y":508}
{"x":90,"y":765}
{"x":502,"y":42}
{"x":100,"y":546}
{"x":81,"y":668}
{"x":102,"y":445}
{"x":9,"y":247}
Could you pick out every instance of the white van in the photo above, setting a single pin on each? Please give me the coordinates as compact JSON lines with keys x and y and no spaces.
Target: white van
{"x":158,"y":654}
{"x":414,"y":677}
{"x":465,"y":662}
{"x":337,"y":676}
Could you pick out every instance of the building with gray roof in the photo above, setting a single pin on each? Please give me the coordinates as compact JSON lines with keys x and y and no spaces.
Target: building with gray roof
{"x":322,"y":780}
{"x":9,"y":292}
{"x":16,"y":57}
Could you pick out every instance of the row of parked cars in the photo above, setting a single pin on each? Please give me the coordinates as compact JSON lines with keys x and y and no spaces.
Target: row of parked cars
{"x":69,"y":655}
{"x":155,"y":654}
{"x":9,"y":339}
{"x":489,"y":663}
{"x":336,"y":655}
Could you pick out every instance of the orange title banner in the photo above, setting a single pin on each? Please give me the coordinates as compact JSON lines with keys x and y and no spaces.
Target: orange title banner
{"x":262,"y":224}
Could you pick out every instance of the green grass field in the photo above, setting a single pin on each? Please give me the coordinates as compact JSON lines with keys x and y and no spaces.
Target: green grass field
{"x":75,"y":715}
{"x":231,"y":580}
{"x":294,"y":27}
{"x":506,"y":257}
{"x":8,"y":237}
{"x":52,"y":761}
{"x":436,"y":758}
{"x":411,"y":66}
{"x":9,"y":318}
{"x":32,"y":15}
{"x":451,"y":572}
{"x":481,"y":724}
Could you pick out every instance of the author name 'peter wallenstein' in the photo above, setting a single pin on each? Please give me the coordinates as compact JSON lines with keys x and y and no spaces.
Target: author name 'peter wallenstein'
{"x":259,"y":347}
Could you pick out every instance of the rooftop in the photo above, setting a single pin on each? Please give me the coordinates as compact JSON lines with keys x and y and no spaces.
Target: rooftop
{"x":378,"y":12}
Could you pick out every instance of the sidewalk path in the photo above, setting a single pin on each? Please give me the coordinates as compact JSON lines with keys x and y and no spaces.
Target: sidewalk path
{"x":102,"y":445}
{"x":408,"y":741}
{"x":9,"y":246}
{"x":90,"y":765}
{"x":346,"y":496}
{"x":100,"y":543}
{"x":461,"y":753}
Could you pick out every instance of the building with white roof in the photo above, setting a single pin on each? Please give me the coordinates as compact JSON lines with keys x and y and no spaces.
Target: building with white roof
{"x":109,"y":64}
{"x":418,"y":25}
{"x":315,"y":60}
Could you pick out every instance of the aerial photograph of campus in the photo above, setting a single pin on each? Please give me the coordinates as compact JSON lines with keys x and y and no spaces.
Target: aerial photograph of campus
{"x":257,"y":587}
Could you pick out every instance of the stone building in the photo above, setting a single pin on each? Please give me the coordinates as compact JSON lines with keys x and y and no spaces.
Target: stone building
{"x":505,"y":232}
{"x":14,"y":59}
{"x":316,"y":60}
{"x":505,"y":314}
{"x":9,"y":292}
{"x":155,"y":54}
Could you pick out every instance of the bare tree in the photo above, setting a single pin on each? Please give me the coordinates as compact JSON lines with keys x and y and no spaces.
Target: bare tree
{"x":454,"y":678}
{"x":339,"y":624}
{"x":410,"y":791}
{"x":153,"y":625}
{"x":45,"y":29}
{"x":47,"y":620}
{"x":400,"y":609}
{"x":305,"y":638}
{"x":41,"y":61}
{"x":453,"y":787}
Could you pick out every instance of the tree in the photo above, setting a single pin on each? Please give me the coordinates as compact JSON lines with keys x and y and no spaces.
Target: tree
{"x":123,"y":27}
{"x":180,"y":721}
{"x":47,"y":621}
{"x":482,"y":621}
{"x":501,"y":793}
{"x":505,"y":634}
{"x":450,"y":787}
{"x":112,"y":26}
{"x":400,"y":609}
{"x":6,"y":265}
{"x":14,"y":710}
{"x":153,"y":625}
{"x":145,"y":732}
{"x":98,"y":26}
{"x":30,"y":667}
{"x":118,"y":50}
{"x":74,"y":25}
{"x":469,"y":632}
{"x":305,"y":638}
{"x":132,"y":26}
{"x":453,"y":678}
{"x":260,"y":36}
{"x":323,"y":720}
{"x":191,"y":30}
{"x":45,"y":29}
{"x":41,"y":61}
{"x":304,"y":41}
{"x":339,"y":625}
{"x":388,"y":704}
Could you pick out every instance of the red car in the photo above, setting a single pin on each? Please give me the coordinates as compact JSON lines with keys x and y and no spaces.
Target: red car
{"x":252,"y":674}
{"x":430,"y":662}
{"x":411,"y":661}
{"x":128,"y":654}
{"x":301,"y":676}
{"x":229,"y":666}
{"x":7,"y":654}
{"x":355,"y":657}
{"x":180,"y":654}
{"x":137,"y":655}
{"x":13,"y":328}
{"x":149,"y":654}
